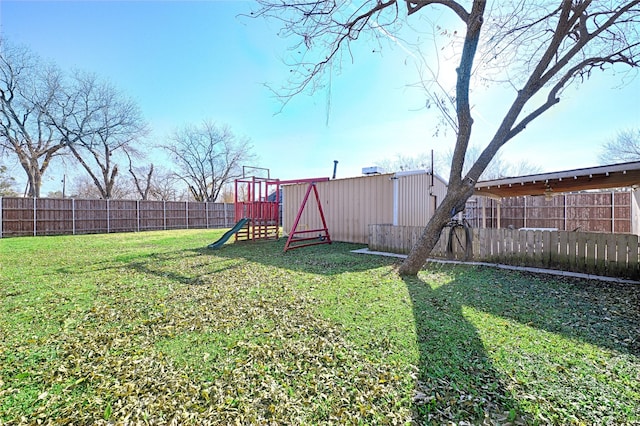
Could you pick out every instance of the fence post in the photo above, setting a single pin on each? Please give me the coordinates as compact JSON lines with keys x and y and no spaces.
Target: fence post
{"x":186,"y":214}
{"x":138,"y":215}
{"x":108,"y":214}
{"x":613,"y":213}
{"x":164,"y":214}
{"x":565,"y":211}
{"x":73,"y":216}
{"x":35,"y":211}
{"x":206,"y":213}
{"x":1,"y":225}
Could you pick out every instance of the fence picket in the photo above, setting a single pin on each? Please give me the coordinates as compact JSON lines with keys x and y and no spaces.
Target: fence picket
{"x":581,"y":243}
{"x":590,"y":253}
{"x":546,"y":248}
{"x":622,"y":250}
{"x":554,"y":247}
{"x":572,"y":246}
{"x":537,"y":247}
{"x":632,"y":260}
{"x":612,"y":251}
{"x":601,"y":244}
{"x":522,"y":248}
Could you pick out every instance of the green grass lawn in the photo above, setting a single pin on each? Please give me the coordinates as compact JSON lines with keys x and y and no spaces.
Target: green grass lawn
{"x":153,"y":327}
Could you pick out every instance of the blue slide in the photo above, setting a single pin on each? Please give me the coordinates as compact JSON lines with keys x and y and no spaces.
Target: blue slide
{"x":238,"y":226}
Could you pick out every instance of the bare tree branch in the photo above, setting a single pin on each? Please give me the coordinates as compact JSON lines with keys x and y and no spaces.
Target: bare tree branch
{"x":207,"y":157}
{"x":27,"y":89}
{"x":97,"y":124}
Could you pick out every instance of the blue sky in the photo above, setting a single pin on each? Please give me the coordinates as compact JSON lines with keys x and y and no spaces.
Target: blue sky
{"x":188,"y":61}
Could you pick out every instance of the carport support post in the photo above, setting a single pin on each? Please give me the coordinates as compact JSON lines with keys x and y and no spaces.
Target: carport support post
{"x":635,"y":212}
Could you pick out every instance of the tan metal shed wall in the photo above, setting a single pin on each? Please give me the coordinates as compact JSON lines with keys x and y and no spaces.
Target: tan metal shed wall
{"x":416,"y":201}
{"x":351,"y":205}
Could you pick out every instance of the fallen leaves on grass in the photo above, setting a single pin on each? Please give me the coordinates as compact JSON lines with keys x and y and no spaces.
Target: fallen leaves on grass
{"x":122,"y":361}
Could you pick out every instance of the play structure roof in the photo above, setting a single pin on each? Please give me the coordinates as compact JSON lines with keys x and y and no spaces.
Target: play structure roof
{"x":601,"y":177}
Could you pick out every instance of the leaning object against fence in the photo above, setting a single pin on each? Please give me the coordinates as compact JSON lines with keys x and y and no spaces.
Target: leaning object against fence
{"x":460,"y":239}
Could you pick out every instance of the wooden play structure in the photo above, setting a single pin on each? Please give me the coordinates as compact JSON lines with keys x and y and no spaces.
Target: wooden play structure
{"x":258,"y":210}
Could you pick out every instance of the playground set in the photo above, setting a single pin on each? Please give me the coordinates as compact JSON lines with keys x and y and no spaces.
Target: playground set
{"x":258,"y":212}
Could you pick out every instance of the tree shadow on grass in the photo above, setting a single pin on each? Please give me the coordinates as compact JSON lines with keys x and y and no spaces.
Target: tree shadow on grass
{"x":567,"y":348}
{"x":601,"y":313}
{"x":324,"y":259}
{"x":604,"y":314}
{"x":456,"y":379}
{"x":153,"y":265}
{"x":161,"y":265}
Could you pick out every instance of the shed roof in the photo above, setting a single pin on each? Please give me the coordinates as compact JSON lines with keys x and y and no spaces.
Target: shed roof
{"x":601,"y":177}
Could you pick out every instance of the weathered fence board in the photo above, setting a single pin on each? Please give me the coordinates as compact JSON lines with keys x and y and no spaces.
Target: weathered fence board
{"x":52,"y":216}
{"x":615,"y":255}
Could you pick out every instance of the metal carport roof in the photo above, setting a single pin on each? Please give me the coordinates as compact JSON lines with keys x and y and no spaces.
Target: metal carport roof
{"x":601,"y":177}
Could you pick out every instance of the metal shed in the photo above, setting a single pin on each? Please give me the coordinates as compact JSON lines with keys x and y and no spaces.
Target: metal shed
{"x":350,"y":205}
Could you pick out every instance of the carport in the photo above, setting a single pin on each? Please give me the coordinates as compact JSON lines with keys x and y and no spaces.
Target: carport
{"x":624,"y":175}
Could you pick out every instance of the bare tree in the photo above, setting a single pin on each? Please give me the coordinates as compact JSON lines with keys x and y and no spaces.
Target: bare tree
{"x":83,"y":186}
{"x":98,"y":124}
{"x":229,"y":194}
{"x":405,"y":162}
{"x":545,"y":45}
{"x":625,"y":147}
{"x":498,"y":167}
{"x":141,"y":176}
{"x":208,"y":157}
{"x":27,"y":89}
{"x":165,"y":186}
{"x":7,"y":183}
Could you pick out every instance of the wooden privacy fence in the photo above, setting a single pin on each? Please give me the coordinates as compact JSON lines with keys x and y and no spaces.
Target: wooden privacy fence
{"x":614,"y":255}
{"x":611,"y":212}
{"x":52,"y":216}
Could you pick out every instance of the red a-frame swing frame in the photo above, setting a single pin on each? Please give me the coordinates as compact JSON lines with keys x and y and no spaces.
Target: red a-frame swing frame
{"x":308,"y":237}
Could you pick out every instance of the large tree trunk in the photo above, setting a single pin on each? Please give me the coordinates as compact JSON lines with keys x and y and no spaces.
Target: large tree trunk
{"x":34,"y":177}
{"x":34,"y":184}
{"x":459,"y":189}
{"x":452,"y":204}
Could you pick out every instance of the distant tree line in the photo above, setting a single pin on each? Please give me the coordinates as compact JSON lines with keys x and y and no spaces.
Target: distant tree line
{"x":51,"y":118}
